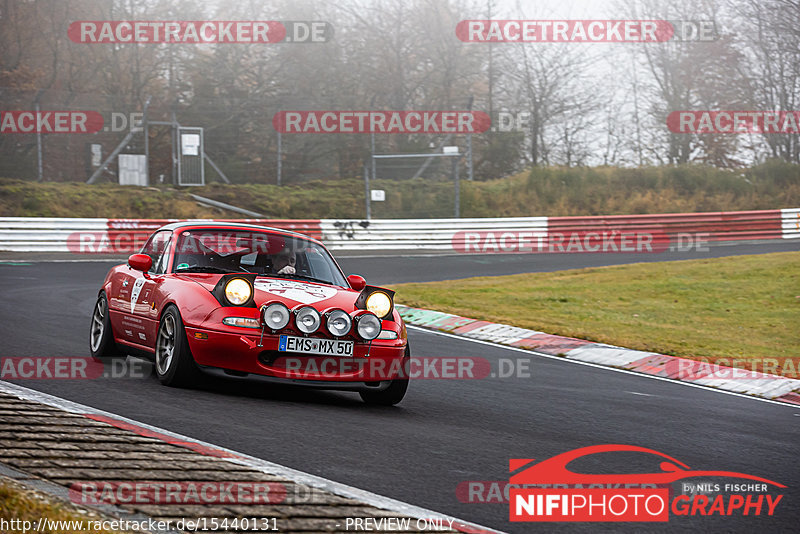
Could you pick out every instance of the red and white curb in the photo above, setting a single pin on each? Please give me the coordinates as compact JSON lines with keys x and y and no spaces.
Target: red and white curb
{"x":761,"y":385}
{"x":208,"y":449}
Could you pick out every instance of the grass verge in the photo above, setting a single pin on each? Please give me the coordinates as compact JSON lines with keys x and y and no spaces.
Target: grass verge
{"x":542,"y":191}
{"x":734,"y":308}
{"x":20,"y":507}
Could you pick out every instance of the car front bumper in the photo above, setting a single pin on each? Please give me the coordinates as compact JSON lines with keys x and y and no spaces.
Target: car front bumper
{"x":247,"y":352}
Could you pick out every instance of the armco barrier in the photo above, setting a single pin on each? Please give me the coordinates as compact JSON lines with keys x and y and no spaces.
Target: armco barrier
{"x":29,"y":234}
{"x":424,"y":234}
{"x":790,"y":223}
{"x":510,"y":234}
{"x":106,"y":236}
{"x":718,"y":226}
{"x":556,"y":234}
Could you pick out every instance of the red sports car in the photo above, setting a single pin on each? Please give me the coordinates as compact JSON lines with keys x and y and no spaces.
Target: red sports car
{"x":239,"y":300}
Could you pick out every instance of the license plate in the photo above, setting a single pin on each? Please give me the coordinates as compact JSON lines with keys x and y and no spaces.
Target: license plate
{"x":310,"y":345}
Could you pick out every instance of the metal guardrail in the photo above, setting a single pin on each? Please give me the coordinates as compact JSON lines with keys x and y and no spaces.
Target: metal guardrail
{"x":790,"y":223}
{"x":716,"y":226}
{"x":24,"y":234}
{"x":106,"y":236}
{"x":418,"y":234}
{"x":221,"y":205}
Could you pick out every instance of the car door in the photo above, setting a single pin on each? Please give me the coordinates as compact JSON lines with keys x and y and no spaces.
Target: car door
{"x":139,"y":320}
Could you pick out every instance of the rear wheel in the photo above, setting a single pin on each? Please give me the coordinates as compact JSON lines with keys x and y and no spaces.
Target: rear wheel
{"x":396,"y":390}
{"x":101,"y":337}
{"x":174,"y":363}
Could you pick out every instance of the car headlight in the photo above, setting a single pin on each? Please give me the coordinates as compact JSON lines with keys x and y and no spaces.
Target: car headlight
{"x":339,"y":323}
{"x":238,"y":291}
{"x":275,"y":316}
{"x":379,"y":303}
{"x":368,"y":326}
{"x":307,"y":319}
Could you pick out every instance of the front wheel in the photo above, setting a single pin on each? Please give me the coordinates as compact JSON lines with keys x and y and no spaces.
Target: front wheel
{"x":396,"y":390}
{"x":174,"y":363}
{"x":101,"y":337}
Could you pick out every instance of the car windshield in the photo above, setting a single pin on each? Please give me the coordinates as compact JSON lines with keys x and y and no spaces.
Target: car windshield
{"x":212,"y":250}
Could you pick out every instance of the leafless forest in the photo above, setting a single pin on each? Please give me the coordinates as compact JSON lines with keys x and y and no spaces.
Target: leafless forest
{"x":583,"y":104}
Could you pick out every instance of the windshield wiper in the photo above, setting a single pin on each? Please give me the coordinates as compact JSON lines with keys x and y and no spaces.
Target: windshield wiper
{"x":204,"y":269}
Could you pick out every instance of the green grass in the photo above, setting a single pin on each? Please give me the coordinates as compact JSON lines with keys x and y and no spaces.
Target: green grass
{"x":548,"y":191}
{"x":736,"y":307}
{"x":22,"y":504}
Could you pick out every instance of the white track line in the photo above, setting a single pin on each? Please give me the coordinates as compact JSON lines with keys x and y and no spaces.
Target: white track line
{"x":598,"y":366}
{"x":300,"y":477}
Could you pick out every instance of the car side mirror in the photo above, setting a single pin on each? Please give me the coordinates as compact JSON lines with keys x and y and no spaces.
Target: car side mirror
{"x":356,"y":282}
{"x":140,"y":262}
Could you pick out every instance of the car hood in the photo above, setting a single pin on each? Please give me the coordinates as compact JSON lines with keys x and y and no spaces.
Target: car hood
{"x":293,"y":292}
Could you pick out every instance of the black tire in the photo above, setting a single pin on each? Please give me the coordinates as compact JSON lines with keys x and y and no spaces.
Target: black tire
{"x":101,"y":337}
{"x":175,"y":367}
{"x":396,"y":390}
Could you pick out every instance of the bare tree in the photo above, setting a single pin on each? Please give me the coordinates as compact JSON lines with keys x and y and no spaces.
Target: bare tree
{"x":771,"y":30}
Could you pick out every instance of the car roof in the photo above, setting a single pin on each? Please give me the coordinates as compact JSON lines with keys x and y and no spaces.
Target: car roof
{"x":232,"y":225}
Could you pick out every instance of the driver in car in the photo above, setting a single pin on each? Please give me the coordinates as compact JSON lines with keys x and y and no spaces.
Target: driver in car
{"x":284,"y":261}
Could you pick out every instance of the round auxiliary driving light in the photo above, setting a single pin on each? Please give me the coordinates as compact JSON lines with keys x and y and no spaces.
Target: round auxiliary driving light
{"x":238,"y":291}
{"x":307,"y":319}
{"x":339,"y":323}
{"x":368,"y":326}
{"x":275,"y":316}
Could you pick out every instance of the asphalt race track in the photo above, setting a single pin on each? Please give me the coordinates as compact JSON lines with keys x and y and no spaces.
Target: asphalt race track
{"x":445,"y":432}
{"x":386,"y":269}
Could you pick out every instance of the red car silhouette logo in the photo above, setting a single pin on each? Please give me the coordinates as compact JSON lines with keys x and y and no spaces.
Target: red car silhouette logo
{"x":554,"y":470}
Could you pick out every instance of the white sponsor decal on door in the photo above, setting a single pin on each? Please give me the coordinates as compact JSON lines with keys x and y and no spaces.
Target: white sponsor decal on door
{"x":137,"y":288}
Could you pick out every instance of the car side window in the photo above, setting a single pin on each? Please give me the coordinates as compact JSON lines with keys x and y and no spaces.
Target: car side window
{"x":157,"y":247}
